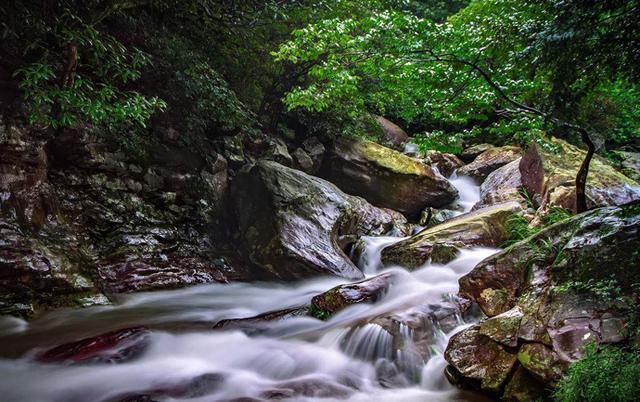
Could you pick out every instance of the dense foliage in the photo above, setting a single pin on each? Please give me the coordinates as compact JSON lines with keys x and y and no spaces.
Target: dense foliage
{"x":460,"y":75}
{"x":606,"y":374}
{"x":444,"y":69}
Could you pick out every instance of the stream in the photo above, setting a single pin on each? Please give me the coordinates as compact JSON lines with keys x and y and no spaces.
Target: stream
{"x":337,"y":359}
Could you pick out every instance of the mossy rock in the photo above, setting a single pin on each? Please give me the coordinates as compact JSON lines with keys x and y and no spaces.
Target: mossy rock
{"x":341,"y":296}
{"x":385,"y":177}
{"x":484,"y":227}
{"x":549,"y":173}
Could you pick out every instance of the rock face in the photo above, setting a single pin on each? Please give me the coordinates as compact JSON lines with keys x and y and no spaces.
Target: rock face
{"x":385,"y":177}
{"x":79,"y":221}
{"x":290,"y":223}
{"x":549,"y":177}
{"x":550,"y":295}
{"x":502,"y":185}
{"x":392,"y":134}
{"x":490,"y":160}
{"x":484,"y":227}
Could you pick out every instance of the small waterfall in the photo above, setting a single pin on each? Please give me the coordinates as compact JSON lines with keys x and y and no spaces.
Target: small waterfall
{"x":369,"y":262}
{"x":368,"y":342}
{"x":468,"y":192}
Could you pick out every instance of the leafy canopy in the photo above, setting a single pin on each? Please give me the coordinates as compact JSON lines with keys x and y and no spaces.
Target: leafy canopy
{"x":447,"y":74}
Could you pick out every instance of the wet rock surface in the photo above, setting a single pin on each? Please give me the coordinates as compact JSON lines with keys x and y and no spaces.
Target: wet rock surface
{"x":444,"y":162}
{"x":79,"y":221}
{"x":546,"y":299}
{"x":484,"y":227}
{"x":502,"y":185}
{"x":113,"y":347}
{"x":289,"y":222}
{"x":369,"y":290}
{"x":475,"y":358}
{"x":385,"y":177}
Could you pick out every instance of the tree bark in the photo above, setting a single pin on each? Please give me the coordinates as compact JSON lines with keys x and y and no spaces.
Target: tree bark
{"x":581,"y":177}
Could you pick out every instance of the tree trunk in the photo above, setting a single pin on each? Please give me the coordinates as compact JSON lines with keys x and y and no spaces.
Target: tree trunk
{"x":581,"y":177}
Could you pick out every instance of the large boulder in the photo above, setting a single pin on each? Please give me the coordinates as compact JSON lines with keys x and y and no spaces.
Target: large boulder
{"x":484,"y":227}
{"x":478,"y":360}
{"x":385,"y":177}
{"x":490,"y":160}
{"x":502,"y":185}
{"x":552,"y":294}
{"x":290,"y":224}
{"x":549,"y":174}
{"x":392,"y":134}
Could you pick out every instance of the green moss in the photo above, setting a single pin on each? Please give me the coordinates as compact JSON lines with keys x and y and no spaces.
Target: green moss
{"x":317,"y":312}
{"x":389,"y":158}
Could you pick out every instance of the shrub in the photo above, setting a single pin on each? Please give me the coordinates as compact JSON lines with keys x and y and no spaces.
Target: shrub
{"x":606,"y":374}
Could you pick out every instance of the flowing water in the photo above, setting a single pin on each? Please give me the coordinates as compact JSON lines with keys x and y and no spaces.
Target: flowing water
{"x":347,"y":357}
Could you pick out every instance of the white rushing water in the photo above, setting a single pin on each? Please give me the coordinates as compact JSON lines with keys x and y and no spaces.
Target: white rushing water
{"x":468,"y":191}
{"x":347,"y":357}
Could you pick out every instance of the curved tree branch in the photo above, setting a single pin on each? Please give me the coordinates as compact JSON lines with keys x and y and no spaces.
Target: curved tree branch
{"x":581,"y":176}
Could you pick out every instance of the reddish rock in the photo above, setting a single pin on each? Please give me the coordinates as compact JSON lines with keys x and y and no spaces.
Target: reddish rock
{"x":113,"y":347}
{"x":445,"y":163}
{"x":475,"y":357}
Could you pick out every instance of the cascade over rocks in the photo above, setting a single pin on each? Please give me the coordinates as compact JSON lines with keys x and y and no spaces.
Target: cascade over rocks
{"x":549,"y":177}
{"x":385,"y":177}
{"x":290,"y":223}
{"x":490,"y":160}
{"x":484,"y":227}
{"x":549,"y":296}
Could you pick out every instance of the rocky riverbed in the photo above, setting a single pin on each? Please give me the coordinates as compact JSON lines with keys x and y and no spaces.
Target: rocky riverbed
{"x":281,"y":270}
